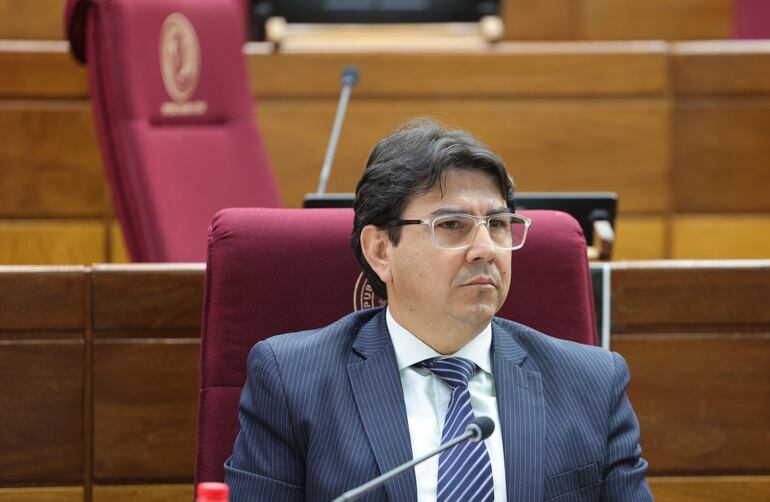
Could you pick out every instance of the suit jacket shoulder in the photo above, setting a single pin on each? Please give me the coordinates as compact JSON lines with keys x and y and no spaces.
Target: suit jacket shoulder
{"x":591,"y":437}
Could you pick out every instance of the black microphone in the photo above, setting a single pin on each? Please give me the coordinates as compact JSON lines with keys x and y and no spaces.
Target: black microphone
{"x":478,"y":430}
{"x":349,"y":79}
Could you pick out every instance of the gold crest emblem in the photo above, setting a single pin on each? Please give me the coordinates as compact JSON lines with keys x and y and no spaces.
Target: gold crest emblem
{"x":180,"y":57}
{"x":364,"y":296}
{"x":180,"y":65}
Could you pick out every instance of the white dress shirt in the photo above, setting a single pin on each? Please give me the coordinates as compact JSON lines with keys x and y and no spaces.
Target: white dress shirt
{"x":427,"y":400}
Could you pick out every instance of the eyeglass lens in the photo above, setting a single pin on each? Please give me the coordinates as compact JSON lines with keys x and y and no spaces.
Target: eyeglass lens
{"x":455,"y":231}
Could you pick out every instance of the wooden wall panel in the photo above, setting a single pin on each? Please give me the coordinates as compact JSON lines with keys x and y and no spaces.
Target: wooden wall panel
{"x":654,"y":19}
{"x":538,"y":20}
{"x":720,"y":68}
{"x":524,"y":19}
{"x":564,"y":116}
{"x":51,"y":242}
{"x":118,"y":251}
{"x":41,"y":438}
{"x":656,"y":297}
{"x":701,"y":401}
{"x":42,"y":494}
{"x":40,"y":69}
{"x":42,"y":299}
{"x":147,"y":300}
{"x":710,"y":488}
{"x":509,"y":70}
{"x":721,"y":148}
{"x":145,"y":398}
{"x":145,"y":493}
{"x":49,"y":160}
{"x":40,"y":19}
{"x":614,"y":145}
{"x":712,"y":236}
{"x":639,"y":238}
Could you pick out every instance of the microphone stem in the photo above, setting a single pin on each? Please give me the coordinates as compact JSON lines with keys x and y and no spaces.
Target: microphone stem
{"x":371,"y":485}
{"x":332,"y":147}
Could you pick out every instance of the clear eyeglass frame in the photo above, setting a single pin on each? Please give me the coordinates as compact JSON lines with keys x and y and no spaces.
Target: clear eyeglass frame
{"x":478,"y":221}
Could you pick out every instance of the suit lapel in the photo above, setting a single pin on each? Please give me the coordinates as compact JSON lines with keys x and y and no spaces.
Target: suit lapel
{"x":522,"y":418}
{"x":379,"y":397}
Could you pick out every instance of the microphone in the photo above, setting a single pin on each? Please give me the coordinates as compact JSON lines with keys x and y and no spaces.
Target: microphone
{"x":479,"y":429}
{"x":349,"y":79}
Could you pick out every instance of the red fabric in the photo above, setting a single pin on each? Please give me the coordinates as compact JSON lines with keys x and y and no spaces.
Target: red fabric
{"x":273,"y":271}
{"x":752,"y":19}
{"x":170,"y":174}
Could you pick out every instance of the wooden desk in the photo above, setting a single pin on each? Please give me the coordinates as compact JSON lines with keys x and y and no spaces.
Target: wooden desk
{"x":102,"y":364}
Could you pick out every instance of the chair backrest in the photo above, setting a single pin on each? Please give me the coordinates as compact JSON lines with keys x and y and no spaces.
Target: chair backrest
{"x":751,"y":19}
{"x":174,"y":117}
{"x":273,"y":271}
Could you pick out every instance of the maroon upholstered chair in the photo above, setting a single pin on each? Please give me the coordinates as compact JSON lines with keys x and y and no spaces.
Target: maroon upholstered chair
{"x":751,"y":19}
{"x":273,"y":271}
{"x":174,"y":117}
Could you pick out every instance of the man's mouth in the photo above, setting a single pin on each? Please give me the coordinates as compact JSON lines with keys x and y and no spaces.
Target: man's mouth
{"x":481,"y":282}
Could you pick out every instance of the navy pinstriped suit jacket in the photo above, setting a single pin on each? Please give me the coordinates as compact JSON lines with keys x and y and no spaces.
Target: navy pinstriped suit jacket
{"x":323,"y":411}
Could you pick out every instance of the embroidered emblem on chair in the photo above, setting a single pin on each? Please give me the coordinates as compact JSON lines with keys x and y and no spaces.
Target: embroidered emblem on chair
{"x":180,"y":66}
{"x":364,"y":296}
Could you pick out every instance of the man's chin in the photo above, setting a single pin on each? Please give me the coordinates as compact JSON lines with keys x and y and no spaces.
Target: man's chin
{"x":478,"y":315}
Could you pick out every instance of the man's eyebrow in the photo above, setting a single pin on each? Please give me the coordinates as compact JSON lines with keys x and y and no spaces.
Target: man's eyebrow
{"x":447,"y":210}
{"x":456,"y":210}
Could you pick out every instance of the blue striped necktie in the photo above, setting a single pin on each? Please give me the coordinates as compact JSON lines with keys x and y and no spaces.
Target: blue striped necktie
{"x":464,"y":471}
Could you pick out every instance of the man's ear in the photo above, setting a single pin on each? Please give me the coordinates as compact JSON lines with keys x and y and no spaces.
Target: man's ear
{"x":376,"y":247}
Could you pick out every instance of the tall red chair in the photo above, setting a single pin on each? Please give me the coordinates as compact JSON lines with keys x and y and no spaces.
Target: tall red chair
{"x":751,"y":19}
{"x":174,"y":117}
{"x":273,"y":271}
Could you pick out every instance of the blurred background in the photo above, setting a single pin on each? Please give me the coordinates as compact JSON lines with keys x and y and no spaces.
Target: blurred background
{"x":665,"y":102}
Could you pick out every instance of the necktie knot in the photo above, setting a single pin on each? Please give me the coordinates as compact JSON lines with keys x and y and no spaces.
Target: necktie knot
{"x":455,"y":371}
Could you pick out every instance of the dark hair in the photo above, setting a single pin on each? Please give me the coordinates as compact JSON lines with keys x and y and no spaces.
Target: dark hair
{"x":409,"y":162}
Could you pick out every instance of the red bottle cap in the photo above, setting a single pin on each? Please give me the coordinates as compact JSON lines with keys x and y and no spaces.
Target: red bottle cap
{"x":211,"y":492}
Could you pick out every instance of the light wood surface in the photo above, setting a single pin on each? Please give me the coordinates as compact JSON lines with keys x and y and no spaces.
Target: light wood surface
{"x":560,"y":145}
{"x":40,"y":69}
{"x":675,"y":129}
{"x":118,"y":251}
{"x":538,"y":20}
{"x":715,"y":236}
{"x":50,"y":162}
{"x":42,"y":494}
{"x":639,"y":238}
{"x":711,"y":488}
{"x":145,"y":493}
{"x":51,"y":242}
{"x":654,"y":19}
{"x":507,"y":70}
{"x":36,"y":19}
{"x":523,"y":19}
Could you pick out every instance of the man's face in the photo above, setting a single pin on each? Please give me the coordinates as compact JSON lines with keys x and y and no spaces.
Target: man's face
{"x":450,"y":287}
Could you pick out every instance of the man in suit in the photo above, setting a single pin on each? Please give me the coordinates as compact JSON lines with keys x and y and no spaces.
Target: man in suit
{"x":326,"y":410}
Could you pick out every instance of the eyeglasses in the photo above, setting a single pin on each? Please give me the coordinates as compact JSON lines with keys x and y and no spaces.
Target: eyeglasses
{"x":457,"y":231}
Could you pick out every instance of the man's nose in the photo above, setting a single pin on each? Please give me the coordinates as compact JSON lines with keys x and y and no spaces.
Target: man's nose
{"x":482,"y":246}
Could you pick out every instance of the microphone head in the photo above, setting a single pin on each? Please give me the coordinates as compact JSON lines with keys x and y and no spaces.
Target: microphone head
{"x":350,"y":75}
{"x":482,"y":427}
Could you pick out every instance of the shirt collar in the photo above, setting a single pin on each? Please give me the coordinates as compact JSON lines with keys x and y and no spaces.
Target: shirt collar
{"x":410,"y":350}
